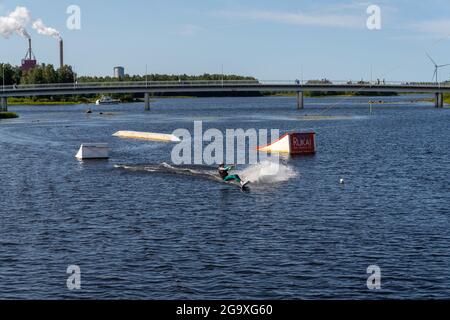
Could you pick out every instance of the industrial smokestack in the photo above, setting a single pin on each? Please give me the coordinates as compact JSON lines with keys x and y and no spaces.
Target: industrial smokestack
{"x":41,"y":28}
{"x":61,"y":53}
{"x":29,"y":62}
{"x":30,"y":51}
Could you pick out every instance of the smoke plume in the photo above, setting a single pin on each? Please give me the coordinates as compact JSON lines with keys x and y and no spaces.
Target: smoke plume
{"x":40,"y":27}
{"x":15,"y":22}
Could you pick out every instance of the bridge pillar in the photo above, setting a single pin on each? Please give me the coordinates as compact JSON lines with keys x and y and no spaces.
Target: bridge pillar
{"x":147,"y":101}
{"x":300,"y":100}
{"x":439,"y":100}
{"x":3,"y":104}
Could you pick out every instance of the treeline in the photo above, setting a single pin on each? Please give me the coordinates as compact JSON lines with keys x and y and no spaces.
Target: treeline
{"x":41,"y":74}
{"x":46,"y":73}
{"x":167,"y":77}
{"x":9,"y":74}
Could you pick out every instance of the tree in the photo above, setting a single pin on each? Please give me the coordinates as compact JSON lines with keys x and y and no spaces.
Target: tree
{"x":66,"y":75}
{"x":12,"y":74}
{"x":33,"y":76}
{"x":49,"y":74}
{"x":44,"y":74}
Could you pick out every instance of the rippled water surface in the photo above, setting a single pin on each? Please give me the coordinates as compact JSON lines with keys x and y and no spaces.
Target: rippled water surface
{"x":162,"y":235}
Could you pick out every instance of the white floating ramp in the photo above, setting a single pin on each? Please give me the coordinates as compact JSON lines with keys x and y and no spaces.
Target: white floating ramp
{"x":293,"y":143}
{"x":93,"y":151}
{"x":147,"y":136}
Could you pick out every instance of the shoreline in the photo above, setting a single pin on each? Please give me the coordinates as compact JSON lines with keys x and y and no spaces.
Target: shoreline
{"x":28,"y":102}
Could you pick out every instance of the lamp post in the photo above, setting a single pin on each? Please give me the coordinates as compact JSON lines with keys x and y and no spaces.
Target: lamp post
{"x":74,"y":77}
{"x":301,"y":75}
{"x":371,"y":74}
{"x":146,"y":76}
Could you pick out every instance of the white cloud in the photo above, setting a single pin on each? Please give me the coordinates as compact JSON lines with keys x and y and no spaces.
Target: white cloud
{"x":435,"y":27}
{"x":303,"y":19}
{"x":189,"y":30}
{"x":360,"y":6}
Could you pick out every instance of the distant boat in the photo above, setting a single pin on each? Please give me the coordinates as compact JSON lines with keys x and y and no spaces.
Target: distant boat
{"x":106,"y":100}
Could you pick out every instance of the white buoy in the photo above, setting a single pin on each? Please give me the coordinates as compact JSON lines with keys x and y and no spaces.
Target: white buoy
{"x":93,"y":151}
{"x":342,"y":181}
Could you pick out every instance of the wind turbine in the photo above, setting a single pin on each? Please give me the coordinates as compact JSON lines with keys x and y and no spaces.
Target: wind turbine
{"x":436,"y":68}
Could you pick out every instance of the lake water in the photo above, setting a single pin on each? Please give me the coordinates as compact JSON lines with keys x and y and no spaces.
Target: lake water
{"x":155,"y":234}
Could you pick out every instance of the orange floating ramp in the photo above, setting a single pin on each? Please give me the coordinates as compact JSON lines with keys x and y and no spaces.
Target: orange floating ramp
{"x":293,"y":143}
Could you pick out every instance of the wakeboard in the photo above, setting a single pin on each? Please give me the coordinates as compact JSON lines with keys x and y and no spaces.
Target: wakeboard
{"x":245,"y":186}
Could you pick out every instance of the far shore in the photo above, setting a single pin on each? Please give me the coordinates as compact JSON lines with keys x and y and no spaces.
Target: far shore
{"x":30,"y":102}
{"x":88,"y":101}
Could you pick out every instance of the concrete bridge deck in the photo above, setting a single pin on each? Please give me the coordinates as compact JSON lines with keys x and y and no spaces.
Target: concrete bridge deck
{"x":188,"y":87}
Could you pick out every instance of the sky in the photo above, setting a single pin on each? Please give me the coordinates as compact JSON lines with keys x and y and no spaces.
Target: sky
{"x":271,"y":40}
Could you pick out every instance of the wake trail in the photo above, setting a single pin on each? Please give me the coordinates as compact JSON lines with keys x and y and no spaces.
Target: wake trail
{"x":264,"y":173}
{"x":268,"y":172}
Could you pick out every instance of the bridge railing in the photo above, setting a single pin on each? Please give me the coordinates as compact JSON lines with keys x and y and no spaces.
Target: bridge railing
{"x":216,"y":83}
{"x":134,"y":84}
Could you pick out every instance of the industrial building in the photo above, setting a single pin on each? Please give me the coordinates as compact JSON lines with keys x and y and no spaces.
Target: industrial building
{"x":119,"y":72}
{"x":29,"y":62}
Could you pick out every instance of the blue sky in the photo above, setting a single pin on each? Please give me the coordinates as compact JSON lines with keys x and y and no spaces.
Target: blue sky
{"x":267,"y":39}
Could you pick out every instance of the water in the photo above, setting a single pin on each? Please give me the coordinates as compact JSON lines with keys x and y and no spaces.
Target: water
{"x":139,"y":233}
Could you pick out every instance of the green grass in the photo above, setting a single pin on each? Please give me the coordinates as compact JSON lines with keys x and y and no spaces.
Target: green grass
{"x":447,"y":98}
{"x":43,"y":102}
{"x":306,"y":94}
{"x":312,"y":94}
{"x":48,"y":102}
{"x":8,"y":115}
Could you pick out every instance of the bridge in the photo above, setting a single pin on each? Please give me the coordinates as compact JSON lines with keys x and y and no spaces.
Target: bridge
{"x":189,"y":87}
